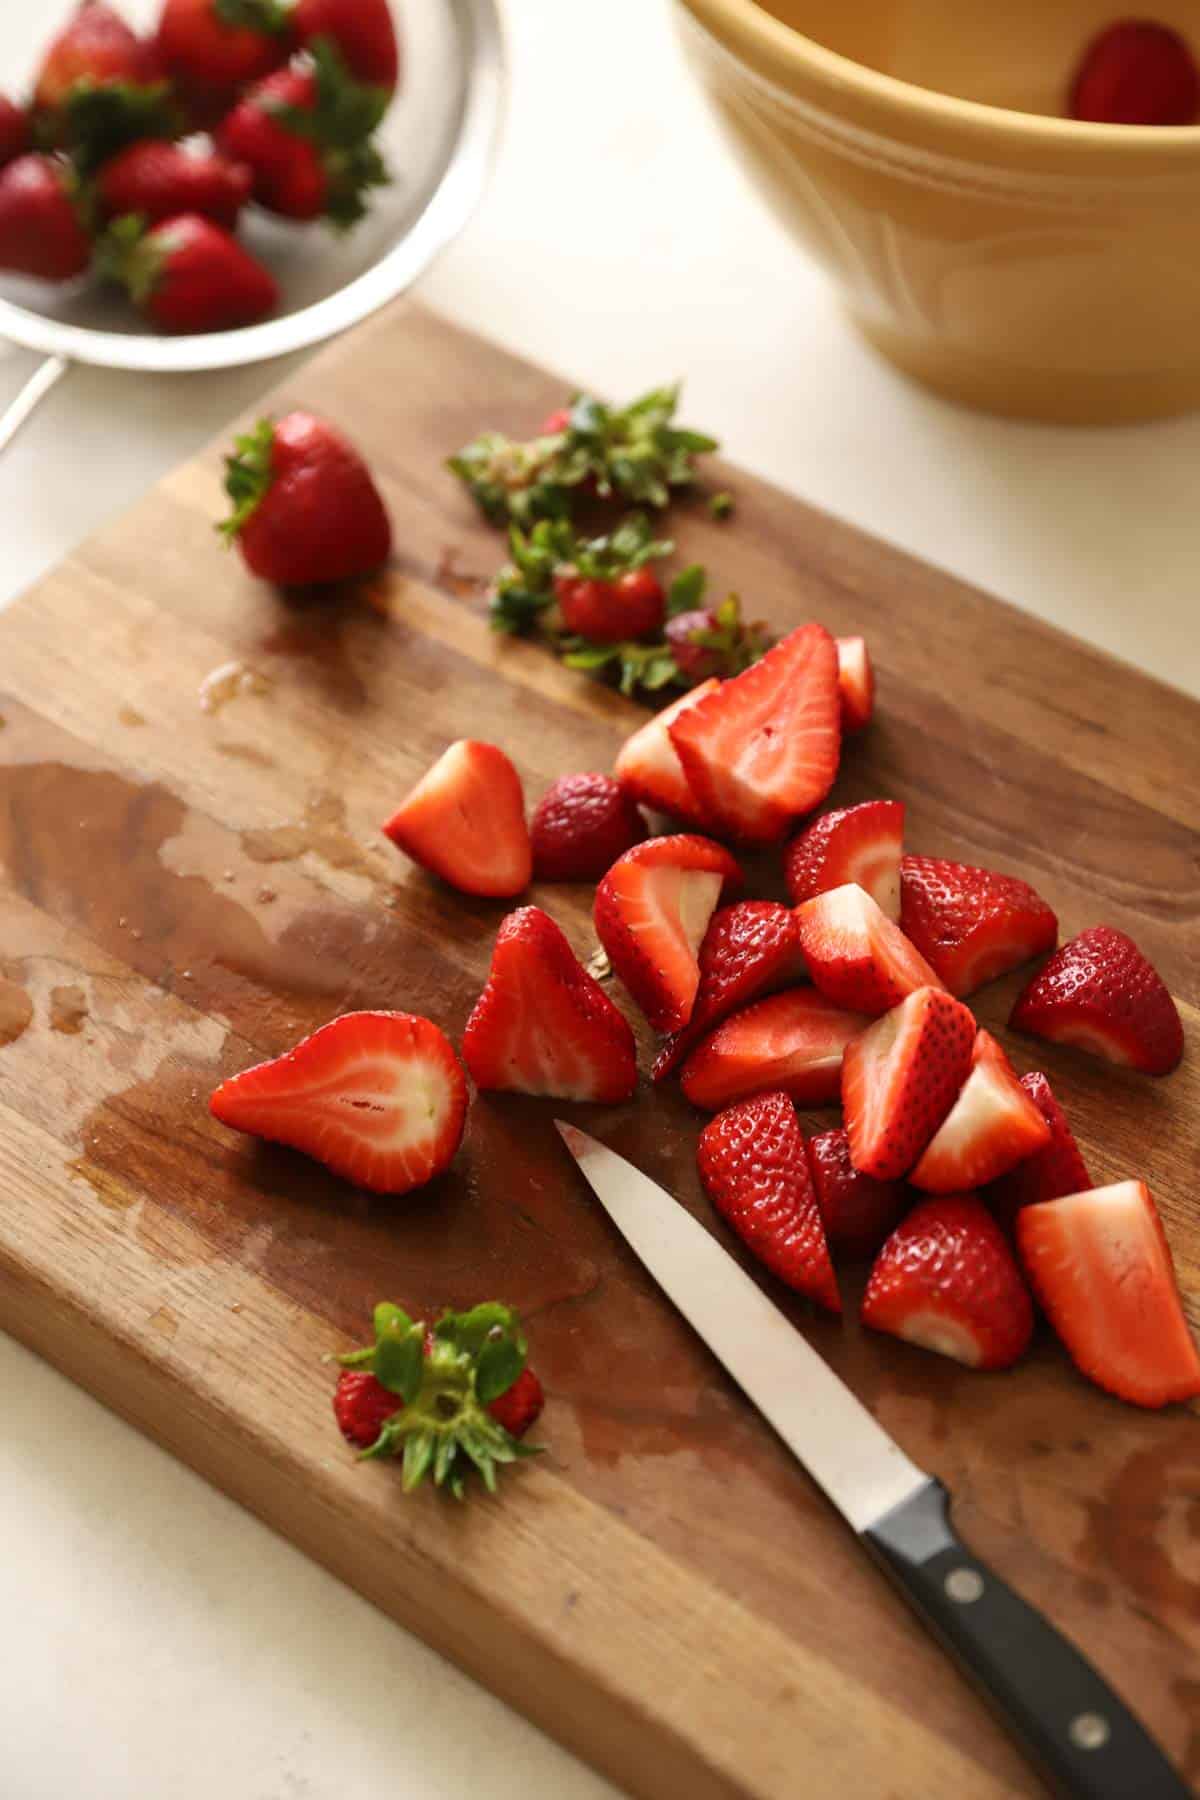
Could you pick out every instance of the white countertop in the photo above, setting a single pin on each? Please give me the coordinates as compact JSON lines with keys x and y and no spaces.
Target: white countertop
{"x":168,"y":1644}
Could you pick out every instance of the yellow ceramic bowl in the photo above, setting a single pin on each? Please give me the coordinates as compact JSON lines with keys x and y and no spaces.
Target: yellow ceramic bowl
{"x":1009,"y":258}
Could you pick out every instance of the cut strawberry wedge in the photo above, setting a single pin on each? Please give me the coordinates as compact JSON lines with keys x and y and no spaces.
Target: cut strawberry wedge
{"x":1101,"y":1266}
{"x":857,"y":1211}
{"x":764,"y":747}
{"x":793,"y":1041}
{"x":992,"y":1126}
{"x":854,"y":843}
{"x":542,"y":1025}
{"x":856,"y":955}
{"x":379,"y":1098}
{"x":1051,"y":1172}
{"x":1102,"y":995}
{"x":749,"y":950}
{"x":971,"y":924}
{"x":652,"y":911}
{"x":856,"y":680}
{"x":465,"y":821}
{"x":648,"y":767}
{"x":901,"y":1077}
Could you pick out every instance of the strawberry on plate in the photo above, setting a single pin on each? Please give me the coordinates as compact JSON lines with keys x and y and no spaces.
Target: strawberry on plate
{"x":465,"y":821}
{"x":856,"y":955}
{"x":42,"y":226}
{"x":1056,"y":1169}
{"x":581,"y":826}
{"x":648,"y":766}
{"x":793,"y":1041}
{"x":379,"y":1097}
{"x":763,"y":748}
{"x":900,"y":1078}
{"x":752,"y":1163}
{"x":947,"y":1280}
{"x":992,"y":1126}
{"x":160,"y":180}
{"x":972,"y":924}
{"x":187,"y":274}
{"x":542,"y":1025}
{"x":856,"y":681}
{"x":212,"y":49}
{"x":363,"y":32}
{"x":749,"y":950}
{"x":1101,"y":994}
{"x":652,"y":911}
{"x":861,"y":843}
{"x":307,"y":511}
{"x":857,"y":1211}
{"x":1101,"y":1266}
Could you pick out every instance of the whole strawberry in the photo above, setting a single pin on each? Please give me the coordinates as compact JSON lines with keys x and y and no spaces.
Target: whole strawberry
{"x":188,"y":275}
{"x":42,"y":224}
{"x":212,"y":49}
{"x":14,"y":130}
{"x":306,"y":511}
{"x":100,"y":86}
{"x":581,"y":826}
{"x":161,"y":180}
{"x":362,"y":31}
{"x":1137,"y":72}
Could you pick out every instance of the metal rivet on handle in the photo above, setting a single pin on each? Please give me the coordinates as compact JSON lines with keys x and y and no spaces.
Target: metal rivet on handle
{"x":964,"y":1586}
{"x":1090,"y":1731}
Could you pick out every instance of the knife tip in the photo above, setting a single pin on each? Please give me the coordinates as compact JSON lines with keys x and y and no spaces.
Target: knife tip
{"x":571,"y":1136}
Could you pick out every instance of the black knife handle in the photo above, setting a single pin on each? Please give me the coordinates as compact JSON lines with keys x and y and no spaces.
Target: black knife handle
{"x":1086,"y":1742}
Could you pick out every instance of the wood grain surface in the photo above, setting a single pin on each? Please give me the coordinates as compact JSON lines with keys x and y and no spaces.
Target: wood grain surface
{"x":183,"y":890}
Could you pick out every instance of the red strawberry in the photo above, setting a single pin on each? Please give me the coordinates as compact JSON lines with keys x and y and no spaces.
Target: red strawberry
{"x":162,"y":180}
{"x":853,"y":843}
{"x":520,"y":1407}
{"x":946,"y":1280}
{"x":212,"y":49}
{"x":857,"y":1212}
{"x":380,"y":1098}
{"x":581,"y":826}
{"x":748,"y":950}
{"x":542,"y":1025}
{"x":1137,"y":73}
{"x":856,"y":955}
{"x":856,"y":682}
{"x":992,"y":1126}
{"x":901,"y":1077}
{"x":96,"y":49}
{"x":652,"y":911}
{"x":609,"y":612}
{"x":648,"y":767}
{"x":763,"y":747}
{"x":793,"y":1041}
{"x":362,"y":1406}
{"x":1101,"y":994}
{"x":187,"y":274}
{"x":555,"y":423}
{"x":1049,"y":1173}
{"x":465,"y":821}
{"x":972,"y":924}
{"x":14,"y":130}
{"x":362,"y":31}
{"x":41,"y":226}
{"x":1101,"y":1266}
{"x":754,"y":1169}
{"x":307,"y":511}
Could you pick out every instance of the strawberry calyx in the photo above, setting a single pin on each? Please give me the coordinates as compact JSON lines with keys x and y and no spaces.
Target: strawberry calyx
{"x":341,"y":124}
{"x":98,"y":119}
{"x":270,"y":16}
{"x":551,"y":551}
{"x":249,"y":473}
{"x":721,"y":641}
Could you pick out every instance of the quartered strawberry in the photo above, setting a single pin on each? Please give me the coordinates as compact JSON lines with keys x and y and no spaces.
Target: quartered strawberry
{"x":1137,"y":73}
{"x":749,"y":949}
{"x":14,"y":130}
{"x":581,"y":826}
{"x":363,"y":32}
{"x":1101,"y":994}
{"x":1055,"y":1170}
{"x":763,"y":748}
{"x":752,"y":1163}
{"x":42,"y":228}
{"x":853,"y":843}
{"x":992,"y":1126}
{"x":542,"y":1025}
{"x":213,"y":49}
{"x":159,"y":180}
{"x":379,"y":1097}
{"x":465,"y":821}
{"x":900,"y":1078}
{"x":307,"y":511}
{"x":856,"y":681}
{"x":947,"y":1280}
{"x":187,"y":274}
{"x":972,"y":924}
{"x":652,"y":911}
{"x":648,"y":766}
{"x":857,"y":1211}
{"x":856,"y":955}
{"x":793,"y":1041}
{"x":1101,"y":1266}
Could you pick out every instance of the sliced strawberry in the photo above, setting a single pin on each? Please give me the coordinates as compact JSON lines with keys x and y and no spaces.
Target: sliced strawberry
{"x":853,"y":843}
{"x":378,"y":1097}
{"x":764,"y":747}
{"x":856,"y":681}
{"x":1049,"y":1173}
{"x":947,"y":1280}
{"x":793,"y":1041}
{"x":1101,"y":994}
{"x":465,"y":821}
{"x":752,"y":1163}
{"x":648,"y":767}
{"x":992,"y":1126}
{"x":901,"y":1077}
{"x":542,"y":1025}
{"x":749,"y":949}
{"x":856,"y":955}
{"x":972,"y":924}
{"x":857,"y":1211}
{"x":652,"y":911}
{"x":1101,"y":1266}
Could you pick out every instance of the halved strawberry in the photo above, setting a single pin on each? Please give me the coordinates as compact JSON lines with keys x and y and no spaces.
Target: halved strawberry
{"x":465,"y":821}
{"x":992,"y":1126}
{"x":748,"y":950}
{"x":652,"y":911}
{"x":972,"y":924}
{"x":1055,"y":1170}
{"x":648,"y":766}
{"x":542,"y":1025}
{"x":1101,"y":994}
{"x":853,"y":843}
{"x":947,"y":1280}
{"x":764,"y":747}
{"x":901,"y":1077}
{"x":856,"y":681}
{"x":857,"y":1211}
{"x":1101,"y":1266}
{"x":793,"y":1041}
{"x":752,"y":1163}
{"x":856,"y":955}
{"x":378,"y":1097}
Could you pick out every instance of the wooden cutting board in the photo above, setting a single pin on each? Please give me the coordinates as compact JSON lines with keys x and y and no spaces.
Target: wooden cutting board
{"x":185,"y":890}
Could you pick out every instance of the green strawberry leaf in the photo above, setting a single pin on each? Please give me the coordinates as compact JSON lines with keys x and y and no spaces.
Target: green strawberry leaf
{"x":271,"y":16}
{"x":686,"y":592}
{"x":249,"y":471}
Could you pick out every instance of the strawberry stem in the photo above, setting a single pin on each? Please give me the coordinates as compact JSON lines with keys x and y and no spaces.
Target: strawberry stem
{"x":249,"y":473}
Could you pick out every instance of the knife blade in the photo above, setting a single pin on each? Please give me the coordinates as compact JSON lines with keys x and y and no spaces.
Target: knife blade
{"x":1086,"y":1742}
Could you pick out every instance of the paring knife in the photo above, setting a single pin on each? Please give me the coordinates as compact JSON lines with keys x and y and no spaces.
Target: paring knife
{"x":1085,"y":1741}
